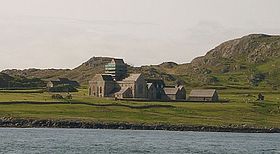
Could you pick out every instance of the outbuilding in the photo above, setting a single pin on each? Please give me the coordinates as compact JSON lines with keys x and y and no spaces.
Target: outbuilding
{"x":174,"y":93}
{"x":62,"y":81}
{"x":203,"y":95}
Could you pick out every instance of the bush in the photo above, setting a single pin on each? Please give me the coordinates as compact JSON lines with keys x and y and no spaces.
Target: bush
{"x":69,"y":96}
{"x":257,"y":78}
{"x":212,"y":80}
{"x":57,"y":96}
{"x":7,"y":81}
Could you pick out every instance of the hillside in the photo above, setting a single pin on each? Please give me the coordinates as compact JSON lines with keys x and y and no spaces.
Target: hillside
{"x":82,"y":73}
{"x":252,"y":60}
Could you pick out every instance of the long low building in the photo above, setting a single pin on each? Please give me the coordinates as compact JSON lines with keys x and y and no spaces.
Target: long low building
{"x":203,"y":95}
{"x":62,"y":81}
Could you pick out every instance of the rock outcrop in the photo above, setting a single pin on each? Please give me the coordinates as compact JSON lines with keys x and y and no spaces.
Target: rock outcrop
{"x":33,"y":123}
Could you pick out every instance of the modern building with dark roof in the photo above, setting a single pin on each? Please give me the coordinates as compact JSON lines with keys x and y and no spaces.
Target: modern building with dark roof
{"x":117,"y":69}
{"x":203,"y":95}
{"x":62,"y":81}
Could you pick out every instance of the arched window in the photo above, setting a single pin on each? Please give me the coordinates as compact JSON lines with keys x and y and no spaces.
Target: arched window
{"x":100,"y":89}
{"x":89,"y":91}
{"x":92,"y":89}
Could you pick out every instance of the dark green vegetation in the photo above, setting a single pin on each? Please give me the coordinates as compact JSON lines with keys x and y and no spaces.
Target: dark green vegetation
{"x":242,"y":110}
{"x":19,"y":82}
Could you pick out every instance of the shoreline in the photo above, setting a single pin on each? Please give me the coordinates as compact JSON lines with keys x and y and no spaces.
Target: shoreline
{"x":32,"y":123}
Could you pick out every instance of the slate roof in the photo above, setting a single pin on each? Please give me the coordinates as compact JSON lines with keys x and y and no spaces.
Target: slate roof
{"x":123,"y":90}
{"x":149,"y":85}
{"x":181,"y":87}
{"x":64,"y":81}
{"x":202,"y":93}
{"x":155,"y":81}
{"x":55,"y":82}
{"x":107,"y":77}
{"x":171,"y":90}
{"x":132,"y":77}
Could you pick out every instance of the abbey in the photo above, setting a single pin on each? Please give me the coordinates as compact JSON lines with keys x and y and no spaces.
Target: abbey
{"x":117,"y":83}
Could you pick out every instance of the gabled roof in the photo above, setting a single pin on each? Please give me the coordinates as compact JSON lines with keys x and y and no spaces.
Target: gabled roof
{"x":171,"y":90}
{"x":55,"y":81}
{"x":155,"y":81}
{"x":150,"y":85}
{"x":202,"y":93}
{"x":132,"y":77}
{"x":123,"y":90}
{"x":64,"y":81}
{"x":180,"y":87}
{"x":105,"y":77}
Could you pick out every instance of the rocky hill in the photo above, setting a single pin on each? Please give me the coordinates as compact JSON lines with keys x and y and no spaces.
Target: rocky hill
{"x":252,"y":60}
{"x":251,"y":49}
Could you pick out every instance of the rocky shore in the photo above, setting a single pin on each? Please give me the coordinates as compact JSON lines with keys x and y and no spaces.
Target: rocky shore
{"x":32,"y":123}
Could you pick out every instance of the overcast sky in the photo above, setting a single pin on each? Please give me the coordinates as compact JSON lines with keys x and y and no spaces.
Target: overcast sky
{"x":65,"y":33}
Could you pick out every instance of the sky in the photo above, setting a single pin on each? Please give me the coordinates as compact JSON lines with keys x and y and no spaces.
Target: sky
{"x":66,"y":33}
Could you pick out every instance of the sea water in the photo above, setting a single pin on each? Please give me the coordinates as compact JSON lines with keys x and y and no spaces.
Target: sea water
{"x":52,"y":141}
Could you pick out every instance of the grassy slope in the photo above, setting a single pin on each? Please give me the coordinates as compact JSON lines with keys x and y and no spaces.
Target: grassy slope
{"x":240,"y":111}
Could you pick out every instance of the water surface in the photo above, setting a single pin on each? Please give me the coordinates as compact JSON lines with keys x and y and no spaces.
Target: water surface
{"x":34,"y":140}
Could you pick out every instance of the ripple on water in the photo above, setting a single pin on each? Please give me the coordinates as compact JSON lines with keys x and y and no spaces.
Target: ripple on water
{"x":131,"y":141}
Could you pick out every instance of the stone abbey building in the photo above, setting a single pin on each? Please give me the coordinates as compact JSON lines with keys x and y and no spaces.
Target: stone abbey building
{"x":117,"y":83}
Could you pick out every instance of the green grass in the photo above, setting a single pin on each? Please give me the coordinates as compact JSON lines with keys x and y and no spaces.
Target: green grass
{"x":8,"y":97}
{"x":241,"y":110}
{"x":23,"y":91}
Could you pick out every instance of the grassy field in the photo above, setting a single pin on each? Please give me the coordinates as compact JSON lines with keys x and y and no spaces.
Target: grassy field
{"x":241,"y":110}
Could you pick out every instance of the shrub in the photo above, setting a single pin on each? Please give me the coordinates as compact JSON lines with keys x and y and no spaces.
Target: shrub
{"x":57,"y":96}
{"x":257,"y":78}
{"x":69,"y":96}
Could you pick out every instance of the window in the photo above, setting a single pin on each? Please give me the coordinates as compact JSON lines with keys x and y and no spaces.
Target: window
{"x":89,"y":91}
{"x":100,"y":89}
